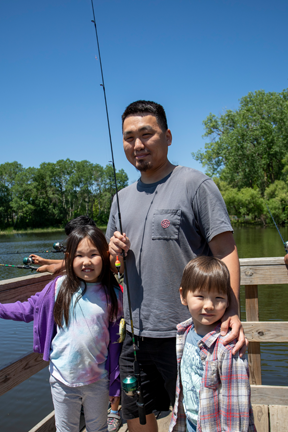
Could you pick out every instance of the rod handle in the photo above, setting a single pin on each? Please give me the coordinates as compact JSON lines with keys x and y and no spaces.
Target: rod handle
{"x":141,"y":408}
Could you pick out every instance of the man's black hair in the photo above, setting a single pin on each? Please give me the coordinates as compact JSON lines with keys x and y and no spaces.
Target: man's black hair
{"x":77,"y":222}
{"x":147,"y":107}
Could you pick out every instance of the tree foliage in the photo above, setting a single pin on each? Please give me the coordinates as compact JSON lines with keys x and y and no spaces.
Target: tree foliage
{"x":248,"y":146}
{"x":56,"y":192}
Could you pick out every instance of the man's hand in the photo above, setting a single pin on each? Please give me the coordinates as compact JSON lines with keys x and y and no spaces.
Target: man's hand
{"x":38,"y":260}
{"x":52,"y":268}
{"x":232,"y":321}
{"x":223,"y":247}
{"x":118,"y":243}
{"x":43,"y":269}
{"x":286,"y":259}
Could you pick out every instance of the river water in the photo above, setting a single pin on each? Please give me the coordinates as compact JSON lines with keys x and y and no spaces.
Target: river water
{"x":30,"y":402}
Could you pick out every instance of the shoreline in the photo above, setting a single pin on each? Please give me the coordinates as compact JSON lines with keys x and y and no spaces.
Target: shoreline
{"x":39,"y":230}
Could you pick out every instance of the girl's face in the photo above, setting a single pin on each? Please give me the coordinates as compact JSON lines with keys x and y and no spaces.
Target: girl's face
{"x":87,"y":263}
{"x":206,"y":308}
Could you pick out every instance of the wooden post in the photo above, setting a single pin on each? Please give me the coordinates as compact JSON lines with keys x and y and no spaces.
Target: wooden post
{"x":252,"y":314}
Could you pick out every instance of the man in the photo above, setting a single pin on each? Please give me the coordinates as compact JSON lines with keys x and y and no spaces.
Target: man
{"x":170,"y":215}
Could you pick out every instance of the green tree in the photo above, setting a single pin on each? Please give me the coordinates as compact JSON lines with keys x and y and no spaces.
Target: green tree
{"x":56,"y":192}
{"x":106,"y":191}
{"x":277,"y":201}
{"x":247,"y":146}
{"x":8,"y":172}
{"x":243,"y":203}
{"x":24,"y":198}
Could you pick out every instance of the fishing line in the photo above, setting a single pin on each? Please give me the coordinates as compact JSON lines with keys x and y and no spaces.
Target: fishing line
{"x":140,"y":402}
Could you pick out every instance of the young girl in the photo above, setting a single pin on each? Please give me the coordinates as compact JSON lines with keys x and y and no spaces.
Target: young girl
{"x":76,"y":324}
{"x":212,"y":391}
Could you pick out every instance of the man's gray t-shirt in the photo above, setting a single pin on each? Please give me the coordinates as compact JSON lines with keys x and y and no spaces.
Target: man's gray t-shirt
{"x":168,"y":223}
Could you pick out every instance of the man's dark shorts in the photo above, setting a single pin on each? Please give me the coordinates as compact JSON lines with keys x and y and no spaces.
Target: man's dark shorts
{"x":158,"y":366}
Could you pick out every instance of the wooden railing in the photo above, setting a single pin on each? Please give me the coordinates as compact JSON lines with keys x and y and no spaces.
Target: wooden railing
{"x":270,"y":403}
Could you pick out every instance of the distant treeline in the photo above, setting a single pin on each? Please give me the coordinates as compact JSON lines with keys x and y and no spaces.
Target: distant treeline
{"x":247,"y":156}
{"x":54,"y":193}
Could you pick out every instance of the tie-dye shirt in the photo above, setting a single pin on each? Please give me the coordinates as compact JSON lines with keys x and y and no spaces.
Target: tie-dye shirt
{"x":79,"y":350}
{"x":192,"y":370}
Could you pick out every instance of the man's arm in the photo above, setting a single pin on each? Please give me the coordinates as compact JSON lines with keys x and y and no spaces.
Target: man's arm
{"x":56,"y":268}
{"x":223,"y":247}
{"x":43,"y":261}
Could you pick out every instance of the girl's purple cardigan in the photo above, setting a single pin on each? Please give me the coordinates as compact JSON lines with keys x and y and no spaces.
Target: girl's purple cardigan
{"x":39,"y":308}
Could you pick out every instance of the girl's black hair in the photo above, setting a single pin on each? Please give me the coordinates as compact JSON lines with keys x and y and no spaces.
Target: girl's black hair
{"x":72,"y":282}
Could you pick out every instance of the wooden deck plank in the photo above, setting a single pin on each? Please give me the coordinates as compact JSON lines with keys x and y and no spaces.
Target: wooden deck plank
{"x":261,"y":417}
{"x":24,"y":280}
{"x":278,"y":418}
{"x":163,"y":423}
{"x":20,"y":370}
{"x":20,"y":289}
{"x":264,"y":275}
{"x":269,"y":395}
{"x":46,"y":425}
{"x":262,"y":261}
{"x":266,"y":331}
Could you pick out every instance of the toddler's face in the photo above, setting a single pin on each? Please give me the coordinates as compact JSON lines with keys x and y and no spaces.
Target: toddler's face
{"x":206,"y":308}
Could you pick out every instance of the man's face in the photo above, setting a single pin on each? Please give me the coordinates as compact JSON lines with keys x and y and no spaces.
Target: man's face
{"x":145,"y":143}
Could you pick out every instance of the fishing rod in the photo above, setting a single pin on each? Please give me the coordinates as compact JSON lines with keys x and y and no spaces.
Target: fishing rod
{"x":284,"y":243}
{"x":131,"y":384}
{"x":22,"y":267}
{"x":58,"y":248}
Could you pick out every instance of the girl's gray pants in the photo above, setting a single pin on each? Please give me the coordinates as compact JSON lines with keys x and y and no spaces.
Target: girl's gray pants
{"x":67,"y":403}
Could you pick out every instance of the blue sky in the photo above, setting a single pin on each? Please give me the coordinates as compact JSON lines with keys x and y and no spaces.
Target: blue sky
{"x":193,"y":57}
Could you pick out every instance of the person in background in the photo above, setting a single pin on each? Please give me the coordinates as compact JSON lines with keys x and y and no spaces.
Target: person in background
{"x":212,"y":391}
{"x":76,"y":325}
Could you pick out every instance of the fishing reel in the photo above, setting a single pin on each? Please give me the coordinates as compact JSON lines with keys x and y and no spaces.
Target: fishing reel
{"x":59,"y":247}
{"x":286,"y":246}
{"x":27,"y":264}
{"x":129,"y":385}
{"x":28,"y":261}
{"x":132,"y":387}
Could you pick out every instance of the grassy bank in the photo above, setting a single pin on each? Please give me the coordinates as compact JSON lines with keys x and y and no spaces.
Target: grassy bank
{"x":37,"y":230}
{"x":30,"y":230}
